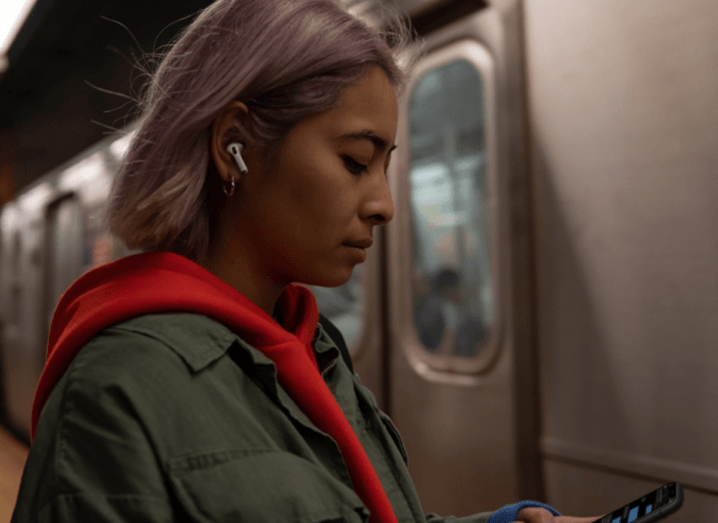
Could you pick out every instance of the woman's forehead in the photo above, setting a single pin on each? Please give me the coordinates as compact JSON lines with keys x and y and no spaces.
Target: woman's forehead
{"x":368,"y":111}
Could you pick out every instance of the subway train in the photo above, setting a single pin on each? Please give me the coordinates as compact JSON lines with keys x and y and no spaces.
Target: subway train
{"x":539,"y":318}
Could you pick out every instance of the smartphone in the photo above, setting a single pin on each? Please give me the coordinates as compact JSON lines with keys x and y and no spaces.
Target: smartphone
{"x":656,"y":505}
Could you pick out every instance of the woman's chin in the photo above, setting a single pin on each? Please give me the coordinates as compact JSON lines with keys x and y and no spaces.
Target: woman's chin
{"x":334,"y":278}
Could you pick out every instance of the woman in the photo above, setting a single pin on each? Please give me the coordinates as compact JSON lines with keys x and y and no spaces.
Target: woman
{"x":193,"y":382}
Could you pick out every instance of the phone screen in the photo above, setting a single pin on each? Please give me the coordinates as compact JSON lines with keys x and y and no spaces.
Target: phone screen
{"x":641,"y":507}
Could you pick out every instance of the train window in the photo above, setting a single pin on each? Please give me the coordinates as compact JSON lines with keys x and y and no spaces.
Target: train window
{"x":15,"y":285}
{"x":16,"y":249}
{"x":344,"y":306}
{"x":63,"y":247}
{"x":448,"y":202}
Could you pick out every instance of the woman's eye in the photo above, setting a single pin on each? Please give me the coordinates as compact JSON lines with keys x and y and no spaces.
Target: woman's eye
{"x":353,"y":166}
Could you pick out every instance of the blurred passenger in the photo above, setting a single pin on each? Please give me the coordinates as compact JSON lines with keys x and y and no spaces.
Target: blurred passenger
{"x":428,"y":316}
{"x":195,"y":382}
{"x":442,"y":315}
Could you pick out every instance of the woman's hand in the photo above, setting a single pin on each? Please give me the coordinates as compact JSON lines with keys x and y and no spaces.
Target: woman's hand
{"x":541,"y":515}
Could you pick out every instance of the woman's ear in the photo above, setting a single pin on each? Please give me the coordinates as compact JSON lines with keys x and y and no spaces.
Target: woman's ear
{"x":226,"y":129}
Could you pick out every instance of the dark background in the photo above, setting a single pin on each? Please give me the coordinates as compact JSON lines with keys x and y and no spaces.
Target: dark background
{"x":48,"y":112}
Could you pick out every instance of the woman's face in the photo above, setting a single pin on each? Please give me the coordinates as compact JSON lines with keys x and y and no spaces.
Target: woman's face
{"x":327,"y":190}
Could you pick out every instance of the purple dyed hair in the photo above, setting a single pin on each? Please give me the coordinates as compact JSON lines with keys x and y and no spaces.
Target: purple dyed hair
{"x":285,"y":59}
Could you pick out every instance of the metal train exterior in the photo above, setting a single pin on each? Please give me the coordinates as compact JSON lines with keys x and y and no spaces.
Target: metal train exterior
{"x":539,"y":317}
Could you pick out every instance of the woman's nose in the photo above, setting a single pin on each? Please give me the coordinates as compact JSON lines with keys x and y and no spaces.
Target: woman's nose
{"x":378,"y":204}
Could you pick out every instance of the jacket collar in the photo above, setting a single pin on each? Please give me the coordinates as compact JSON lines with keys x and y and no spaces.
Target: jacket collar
{"x":200,"y":340}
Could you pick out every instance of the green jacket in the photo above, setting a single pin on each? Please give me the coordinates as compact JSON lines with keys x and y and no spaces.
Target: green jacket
{"x":173,"y":418}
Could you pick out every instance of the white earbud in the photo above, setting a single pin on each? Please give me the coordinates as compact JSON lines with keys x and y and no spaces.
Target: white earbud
{"x":235,"y":149}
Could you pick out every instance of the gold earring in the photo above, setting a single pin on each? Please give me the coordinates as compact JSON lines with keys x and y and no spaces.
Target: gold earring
{"x":231,"y":191}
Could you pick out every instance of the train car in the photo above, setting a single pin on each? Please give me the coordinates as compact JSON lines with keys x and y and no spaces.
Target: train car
{"x":538,"y":318}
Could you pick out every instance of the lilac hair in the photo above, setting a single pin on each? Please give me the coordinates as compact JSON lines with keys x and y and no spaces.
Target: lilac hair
{"x":285,"y":59}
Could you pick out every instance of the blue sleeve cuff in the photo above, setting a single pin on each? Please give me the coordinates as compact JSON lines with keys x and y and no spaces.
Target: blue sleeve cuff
{"x":508,"y":513}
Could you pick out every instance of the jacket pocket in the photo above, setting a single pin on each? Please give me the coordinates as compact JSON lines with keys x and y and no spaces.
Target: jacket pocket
{"x":261,"y":486}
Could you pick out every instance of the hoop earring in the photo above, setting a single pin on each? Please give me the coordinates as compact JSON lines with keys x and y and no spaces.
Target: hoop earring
{"x":231,"y":191}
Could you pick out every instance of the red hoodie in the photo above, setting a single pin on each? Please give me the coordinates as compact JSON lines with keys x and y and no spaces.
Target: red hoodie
{"x":167,"y":282}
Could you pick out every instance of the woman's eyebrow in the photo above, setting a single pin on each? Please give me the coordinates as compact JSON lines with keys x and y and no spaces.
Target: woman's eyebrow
{"x":378,"y":142}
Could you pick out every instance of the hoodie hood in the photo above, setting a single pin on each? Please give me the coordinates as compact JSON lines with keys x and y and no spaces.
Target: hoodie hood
{"x":164,"y":282}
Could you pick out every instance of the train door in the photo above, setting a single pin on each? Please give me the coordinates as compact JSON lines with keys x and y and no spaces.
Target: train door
{"x":25,"y":339}
{"x":13,"y":298}
{"x":37,"y":291}
{"x":462,"y":383}
{"x":44,"y":258}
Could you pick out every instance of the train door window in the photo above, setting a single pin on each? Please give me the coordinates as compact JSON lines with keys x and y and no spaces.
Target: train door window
{"x":15,"y":281}
{"x":63,"y":248}
{"x":344,"y":306}
{"x":450,"y":180}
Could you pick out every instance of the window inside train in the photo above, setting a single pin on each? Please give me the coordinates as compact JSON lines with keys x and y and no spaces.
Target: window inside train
{"x":16,"y":285}
{"x":16,"y":248}
{"x":63,"y":250}
{"x":344,"y":306}
{"x":452,"y":286}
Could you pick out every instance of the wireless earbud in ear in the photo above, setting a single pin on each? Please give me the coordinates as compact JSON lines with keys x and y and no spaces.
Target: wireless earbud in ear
{"x":235,"y":149}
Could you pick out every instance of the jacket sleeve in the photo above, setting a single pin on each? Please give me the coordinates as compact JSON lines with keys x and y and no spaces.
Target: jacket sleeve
{"x":91,"y":461}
